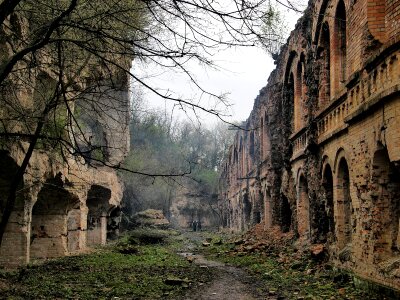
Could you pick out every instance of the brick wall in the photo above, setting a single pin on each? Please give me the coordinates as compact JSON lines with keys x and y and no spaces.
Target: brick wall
{"x":333,"y":176}
{"x":392,"y":18}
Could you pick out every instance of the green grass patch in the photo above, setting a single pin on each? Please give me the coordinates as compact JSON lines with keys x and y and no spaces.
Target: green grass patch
{"x":106,"y":274}
{"x":288,"y":274}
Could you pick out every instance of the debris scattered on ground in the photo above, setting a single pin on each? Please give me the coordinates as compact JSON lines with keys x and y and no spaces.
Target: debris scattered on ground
{"x":127,"y":249}
{"x":318,"y":251}
{"x":190,"y":259}
{"x":177,"y":281}
{"x":290,"y":270}
{"x":151,"y":218}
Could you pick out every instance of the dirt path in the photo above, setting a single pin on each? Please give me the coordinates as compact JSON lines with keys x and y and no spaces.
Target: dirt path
{"x":229,"y":283}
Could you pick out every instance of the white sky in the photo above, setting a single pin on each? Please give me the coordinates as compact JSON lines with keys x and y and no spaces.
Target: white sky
{"x":243,"y":72}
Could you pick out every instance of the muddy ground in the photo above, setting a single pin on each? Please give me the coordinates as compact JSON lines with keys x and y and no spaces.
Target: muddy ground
{"x":227,"y":283}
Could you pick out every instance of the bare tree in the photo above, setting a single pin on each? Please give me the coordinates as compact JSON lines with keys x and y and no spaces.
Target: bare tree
{"x":65,"y":66}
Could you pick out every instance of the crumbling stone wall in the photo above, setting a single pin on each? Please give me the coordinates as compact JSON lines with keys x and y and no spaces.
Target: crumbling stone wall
{"x":191,"y":205}
{"x":327,"y":132}
{"x":64,"y":203}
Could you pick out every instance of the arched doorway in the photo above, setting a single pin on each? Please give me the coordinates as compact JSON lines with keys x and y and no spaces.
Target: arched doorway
{"x":328,"y":224}
{"x":113,"y":222}
{"x":98,"y":205}
{"x":50,"y":218}
{"x":246,"y":209}
{"x":303,"y":207}
{"x":385,"y":194}
{"x":286,"y":214}
{"x":344,"y":205}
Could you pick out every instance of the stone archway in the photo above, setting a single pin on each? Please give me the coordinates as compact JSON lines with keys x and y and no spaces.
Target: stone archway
{"x":385,"y":193}
{"x":328,"y":225}
{"x":286,"y":214}
{"x":113,"y":222}
{"x":50,"y":218}
{"x":343,"y":201}
{"x":247,"y":208}
{"x":98,"y":205}
{"x":303,"y":207}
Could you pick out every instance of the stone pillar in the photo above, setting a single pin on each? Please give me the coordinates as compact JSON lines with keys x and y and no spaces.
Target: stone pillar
{"x":84,"y":227}
{"x":103,"y":230}
{"x":97,"y":230}
{"x":14,"y":249}
{"x":74,"y":230}
{"x":267,"y":209}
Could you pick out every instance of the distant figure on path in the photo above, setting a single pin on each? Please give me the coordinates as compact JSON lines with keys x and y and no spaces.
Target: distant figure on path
{"x":194,"y":225}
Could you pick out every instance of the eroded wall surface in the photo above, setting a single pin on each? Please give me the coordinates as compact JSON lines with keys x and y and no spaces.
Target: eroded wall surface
{"x":322,"y":151}
{"x":68,"y":200}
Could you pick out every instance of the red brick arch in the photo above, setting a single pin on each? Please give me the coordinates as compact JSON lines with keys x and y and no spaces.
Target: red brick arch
{"x":342,"y":201}
{"x":303,"y":205}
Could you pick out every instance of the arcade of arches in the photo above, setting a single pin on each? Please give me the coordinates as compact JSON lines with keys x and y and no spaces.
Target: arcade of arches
{"x":58,"y":217}
{"x":324,"y":139}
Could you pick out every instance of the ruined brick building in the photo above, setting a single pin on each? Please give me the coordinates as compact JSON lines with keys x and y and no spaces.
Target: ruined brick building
{"x":321,"y":155}
{"x":65,"y":203}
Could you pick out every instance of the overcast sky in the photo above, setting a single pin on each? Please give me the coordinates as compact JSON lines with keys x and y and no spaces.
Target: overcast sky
{"x":242,"y":73}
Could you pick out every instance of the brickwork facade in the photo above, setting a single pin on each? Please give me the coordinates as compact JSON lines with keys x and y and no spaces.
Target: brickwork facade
{"x":321,"y":153}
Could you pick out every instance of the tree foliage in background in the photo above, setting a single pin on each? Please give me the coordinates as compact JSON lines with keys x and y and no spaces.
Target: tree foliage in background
{"x":161,"y":145}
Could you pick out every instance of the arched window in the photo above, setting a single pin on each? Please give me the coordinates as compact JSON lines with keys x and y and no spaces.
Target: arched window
{"x":241,"y":160}
{"x":323,"y":55}
{"x":299,"y":95}
{"x":339,"y":43}
{"x":290,"y":94}
{"x":262,"y":138}
{"x":251,"y":146}
{"x":289,"y":91}
{"x":265,"y":141}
